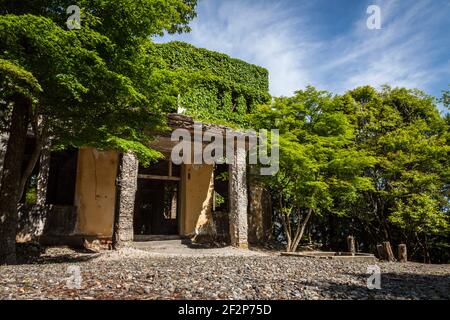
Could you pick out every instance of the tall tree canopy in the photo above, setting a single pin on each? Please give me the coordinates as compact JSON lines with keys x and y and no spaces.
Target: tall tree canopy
{"x":320,"y":165}
{"x":404,"y":130}
{"x":374,"y":164}
{"x":93,"y":86}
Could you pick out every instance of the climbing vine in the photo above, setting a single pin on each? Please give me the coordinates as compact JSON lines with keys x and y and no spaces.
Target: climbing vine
{"x":217,"y":88}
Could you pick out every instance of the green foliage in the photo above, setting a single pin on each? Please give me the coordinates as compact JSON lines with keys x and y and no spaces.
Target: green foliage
{"x":31,"y":196}
{"x":409,"y":199}
{"x":446,"y":99}
{"x":219,"y":199}
{"x":376,"y":160}
{"x":224,"y":176}
{"x":217,"y":88}
{"x":78,"y":93}
{"x":99,"y":85}
{"x":404,"y":130}
{"x":419,"y":212}
{"x":179,"y":55}
{"x":123,"y":21}
{"x":15,"y":79}
{"x":320,"y":166}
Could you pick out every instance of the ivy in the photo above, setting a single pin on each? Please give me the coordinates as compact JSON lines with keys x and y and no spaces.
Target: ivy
{"x":218,"y":88}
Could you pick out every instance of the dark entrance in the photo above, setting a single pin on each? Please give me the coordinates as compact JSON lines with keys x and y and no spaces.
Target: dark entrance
{"x":157,"y":201}
{"x":62,"y":177}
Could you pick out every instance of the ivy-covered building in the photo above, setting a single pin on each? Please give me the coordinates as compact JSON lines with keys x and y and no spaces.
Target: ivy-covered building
{"x":88,"y":194}
{"x":222,"y":89}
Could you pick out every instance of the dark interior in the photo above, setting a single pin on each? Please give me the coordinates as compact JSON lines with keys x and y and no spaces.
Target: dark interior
{"x":62,"y":177}
{"x":156,"y":207}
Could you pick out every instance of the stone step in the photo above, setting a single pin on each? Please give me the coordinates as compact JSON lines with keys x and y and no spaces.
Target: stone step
{"x":145,"y":238}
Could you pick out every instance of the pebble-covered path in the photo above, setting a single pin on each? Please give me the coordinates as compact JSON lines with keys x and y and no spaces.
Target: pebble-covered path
{"x":139,"y":274}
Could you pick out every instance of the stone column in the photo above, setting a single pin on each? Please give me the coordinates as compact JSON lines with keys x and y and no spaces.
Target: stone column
{"x":238,"y":199}
{"x":127,"y":186}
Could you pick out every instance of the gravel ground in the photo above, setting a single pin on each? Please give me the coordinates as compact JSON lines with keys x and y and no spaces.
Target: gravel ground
{"x":236,"y":274}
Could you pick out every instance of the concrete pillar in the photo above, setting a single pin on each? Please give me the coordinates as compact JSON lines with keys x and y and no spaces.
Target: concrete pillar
{"x":238,"y":200}
{"x":127,"y":187}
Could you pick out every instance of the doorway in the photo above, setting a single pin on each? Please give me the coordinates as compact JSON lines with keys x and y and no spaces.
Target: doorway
{"x":157,"y":201}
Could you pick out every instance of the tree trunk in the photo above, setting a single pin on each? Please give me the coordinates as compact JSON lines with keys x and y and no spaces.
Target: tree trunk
{"x":426,"y":250}
{"x":381,"y":254}
{"x":42,"y":139}
{"x":3,"y":143}
{"x":11,"y":175}
{"x":301,"y":231}
{"x":30,"y":167}
{"x":388,"y":251}
{"x":287,"y":231}
{"x":351,"y":245}
{"x":402,"y":253}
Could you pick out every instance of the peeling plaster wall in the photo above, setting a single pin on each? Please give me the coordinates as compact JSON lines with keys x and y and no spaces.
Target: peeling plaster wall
{"x":197,"y":196}
{"x":95,"y":194}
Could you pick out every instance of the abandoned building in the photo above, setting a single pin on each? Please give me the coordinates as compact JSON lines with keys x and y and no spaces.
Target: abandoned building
{"x":89,"y":194}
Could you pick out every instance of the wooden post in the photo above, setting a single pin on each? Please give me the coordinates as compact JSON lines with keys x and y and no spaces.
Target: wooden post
{"x":388,"y":251}
{"x":351,"y":245}
{"x":402,"y":253}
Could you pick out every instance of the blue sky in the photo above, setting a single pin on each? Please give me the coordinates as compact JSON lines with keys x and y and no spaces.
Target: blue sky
{"x":326,"y":43}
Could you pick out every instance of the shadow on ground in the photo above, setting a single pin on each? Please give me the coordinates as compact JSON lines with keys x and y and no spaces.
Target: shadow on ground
{"x":32,"y":253}
{"x":212,"y":245}
{"x":396,"y":285}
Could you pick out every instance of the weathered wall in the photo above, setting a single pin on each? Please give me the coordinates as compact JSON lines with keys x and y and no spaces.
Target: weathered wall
{"x":95,"y":194}
{"x":197,"y":196}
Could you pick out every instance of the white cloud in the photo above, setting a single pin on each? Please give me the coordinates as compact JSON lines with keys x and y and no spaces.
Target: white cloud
{"x":264,"y":33}
{"x":281,"y":37}
{"x":401,"y":53}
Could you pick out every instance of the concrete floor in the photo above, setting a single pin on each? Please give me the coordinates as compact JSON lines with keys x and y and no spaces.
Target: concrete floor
{"x":184,"y":248}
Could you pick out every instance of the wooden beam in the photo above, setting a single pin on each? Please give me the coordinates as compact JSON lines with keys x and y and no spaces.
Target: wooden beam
{"x":153,"y":177}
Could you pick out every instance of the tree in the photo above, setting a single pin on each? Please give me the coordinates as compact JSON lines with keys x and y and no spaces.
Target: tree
{"x":370,"y":163}
{"x":446,"y":98}
{"x":320,"y":165}
{"x":405,"y":132}
{"x":96,"y":86}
